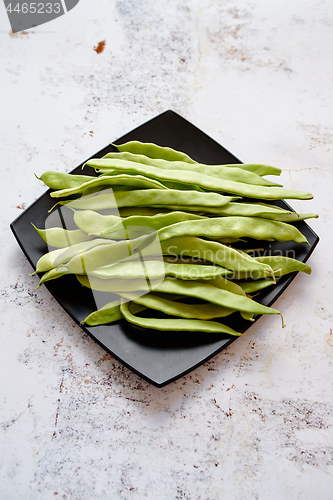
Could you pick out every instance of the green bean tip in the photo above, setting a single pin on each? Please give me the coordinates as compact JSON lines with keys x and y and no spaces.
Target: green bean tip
{"x":283,"y":323}
{"x":58,"y":203}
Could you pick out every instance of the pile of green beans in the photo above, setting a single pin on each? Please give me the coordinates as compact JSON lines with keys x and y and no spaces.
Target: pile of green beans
{"x":196,"y":217}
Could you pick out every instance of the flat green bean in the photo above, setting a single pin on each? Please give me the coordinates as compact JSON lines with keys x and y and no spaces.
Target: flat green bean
{"x":151,"y":197}
{"x":217,"y":253}
{"x":225,"y":284}
{"x":280,"y":265}
{"x":59,"y":180}
{"x":101,"y":255}
{"x":117,"y":285}
{"x":156,"y":269}
{"x":60,"y":238}
{"x":157,"y":221}
{"x":62,"y":255}
{"x":260,"y":210}
{"x":52,"y":275}
{"x":219,"y":171}
{"x":153,"y":151}
{"x":215,"y":295}
{"x":130,"y":211}
{"x":90,"y":221}
{"x":255,"y":286}
{"x":204,"y":181}
{"x":190,"y":325}
{"x":108,"y":180}
{"x":204,"y":311}
{"x":106,"y":314}
{"x":234,"y":227}
{"x":189,"y":288}
{"x":109,"y":313}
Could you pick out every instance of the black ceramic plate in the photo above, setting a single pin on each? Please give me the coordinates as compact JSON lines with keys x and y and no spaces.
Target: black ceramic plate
{"x":159,"y":357}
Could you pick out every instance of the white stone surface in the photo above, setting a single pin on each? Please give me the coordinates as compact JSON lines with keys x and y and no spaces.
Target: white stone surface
{"x":256,"y":421}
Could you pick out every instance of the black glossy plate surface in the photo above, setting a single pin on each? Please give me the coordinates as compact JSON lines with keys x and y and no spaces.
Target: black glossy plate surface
{"x":159,"y":357}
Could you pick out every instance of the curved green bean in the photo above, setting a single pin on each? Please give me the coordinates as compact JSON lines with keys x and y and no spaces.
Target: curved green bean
{"x":190,"y":325}
{"x":110,"y":313}
{"x":153,"y":151}
{"x":106,"y":314}
{"x":204,"y":311}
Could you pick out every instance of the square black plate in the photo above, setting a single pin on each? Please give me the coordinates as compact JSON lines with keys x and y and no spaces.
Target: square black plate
{"x":159,"y":357}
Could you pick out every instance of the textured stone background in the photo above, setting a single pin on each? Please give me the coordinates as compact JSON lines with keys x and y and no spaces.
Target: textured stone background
{"x":256,"y":421}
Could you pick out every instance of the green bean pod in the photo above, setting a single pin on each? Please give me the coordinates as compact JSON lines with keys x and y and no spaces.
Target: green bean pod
{"x":90,"y":221}
{"x":56,"y":257}
{"x":59,"y":180}
{"x":260,"y":210}
{"x":139,"y":286}
{"x":124,"y":180}
{"x":215,"y":295}
{"x":219,"y":171}
{"x":156,"y":269}
{"x":217,"y":253}
{"x":250,"y":287}
{"x":189,"y":288}
{"x":225,"y":284}
{"x":282,"y":265}
{"x":110,"y":313}
{"x":151,"y":197}
{"x":141,"y":223}
{"x":107,"y":314}
{"x":153,"y":151}
{"x":234,"y":227}
{"x":60,"y":238}
{"x":204,"y":311}
{"x":157,"y":152}
{"x":190,"y":325}
{"x":52,"y":275}
{"x":204,"y":181}
{"x":101,"y":255}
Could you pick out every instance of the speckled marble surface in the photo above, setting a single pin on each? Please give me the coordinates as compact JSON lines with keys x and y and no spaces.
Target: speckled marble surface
{"x":256,"y":421}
